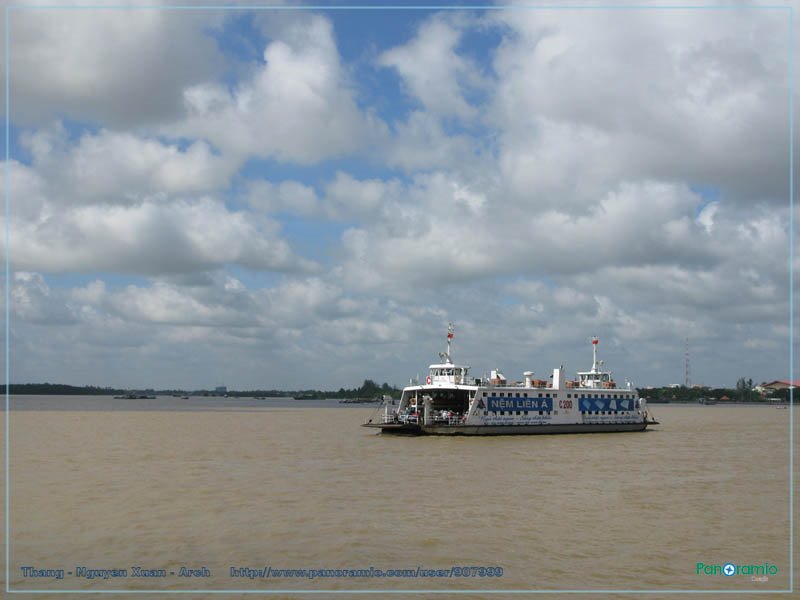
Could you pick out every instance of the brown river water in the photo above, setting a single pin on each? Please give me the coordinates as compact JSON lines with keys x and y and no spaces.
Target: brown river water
{"x":224,"y":488}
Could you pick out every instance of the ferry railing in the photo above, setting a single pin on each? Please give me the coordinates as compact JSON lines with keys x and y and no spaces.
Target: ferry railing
{"x":405,"y":419}
{"x":450,"y":420}
{"x":455,"y":419}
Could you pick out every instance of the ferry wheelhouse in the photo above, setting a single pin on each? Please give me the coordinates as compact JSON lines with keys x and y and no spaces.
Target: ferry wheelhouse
{"x":451,"y":402}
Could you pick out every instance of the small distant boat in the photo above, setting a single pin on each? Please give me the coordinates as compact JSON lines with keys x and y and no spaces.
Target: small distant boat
{"x":450,"y":402}
{"x":135,"y":396}
{"x":377,"y":399}
{"x":305,"y":397}
{"x":708,"y":401}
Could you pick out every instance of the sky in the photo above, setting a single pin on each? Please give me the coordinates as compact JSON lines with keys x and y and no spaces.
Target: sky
{"x":305,"y":198}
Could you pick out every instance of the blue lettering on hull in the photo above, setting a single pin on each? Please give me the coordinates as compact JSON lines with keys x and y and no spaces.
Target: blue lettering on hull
{"x":496,"y":404}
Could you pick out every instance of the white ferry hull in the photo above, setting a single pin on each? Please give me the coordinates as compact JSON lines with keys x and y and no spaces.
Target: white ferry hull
{"x":414,"y":429}
{"x":450,"y":402}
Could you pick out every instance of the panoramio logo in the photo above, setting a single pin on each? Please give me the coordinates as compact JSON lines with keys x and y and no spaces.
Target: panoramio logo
{"x":730,"y":569}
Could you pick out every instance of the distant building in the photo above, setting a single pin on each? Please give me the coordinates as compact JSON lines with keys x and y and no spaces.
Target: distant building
{"x":781,"y":384}
{"x":222,"y":389}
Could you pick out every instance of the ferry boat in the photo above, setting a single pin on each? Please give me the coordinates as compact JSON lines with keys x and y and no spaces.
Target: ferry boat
{"x":451,"y":402}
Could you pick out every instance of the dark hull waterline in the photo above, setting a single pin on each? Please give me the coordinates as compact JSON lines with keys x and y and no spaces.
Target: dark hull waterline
{"x":415,"y":429}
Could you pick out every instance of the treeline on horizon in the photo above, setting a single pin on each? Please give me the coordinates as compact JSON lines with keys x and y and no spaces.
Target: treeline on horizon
{"x":743,"y":392}
{"x":369,"y":389}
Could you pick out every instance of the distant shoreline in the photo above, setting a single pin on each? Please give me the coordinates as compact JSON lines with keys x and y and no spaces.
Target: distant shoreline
{"x":368,"y":390}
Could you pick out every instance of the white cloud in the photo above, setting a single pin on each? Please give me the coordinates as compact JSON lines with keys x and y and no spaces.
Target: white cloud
{"x":447,"y":231}
{"x":149,"y":237}
{"x":114,"y":167}
{"x":706,"y":216}
{"x":288,"y":196}
{"x":107,"y":66}
{"x":115,"y":201}
{"x":342,"y":197}
{"x":433,"y":71}
{"x":166,"y":304}
{"x":420,"y":143}
{"x":653,"y":94}
{"x":298,"y":107}
{"x":32,"y":301}
{"x":348,"y":197}
{"x":253,"y":337}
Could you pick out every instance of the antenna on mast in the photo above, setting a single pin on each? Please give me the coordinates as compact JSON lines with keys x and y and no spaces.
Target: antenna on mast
{"x":687,"y":380}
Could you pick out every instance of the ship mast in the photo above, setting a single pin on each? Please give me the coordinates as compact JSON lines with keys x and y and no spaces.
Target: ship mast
{"x":445,"y":356}
{"x":450,"y":331}
{"x":595,"y":341}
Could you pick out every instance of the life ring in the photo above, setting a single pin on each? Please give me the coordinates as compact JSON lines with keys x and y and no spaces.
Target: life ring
{"x":428,"y":380}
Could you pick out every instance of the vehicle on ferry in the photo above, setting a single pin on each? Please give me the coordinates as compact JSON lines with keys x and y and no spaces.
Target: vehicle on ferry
{"x":451,"y":402}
